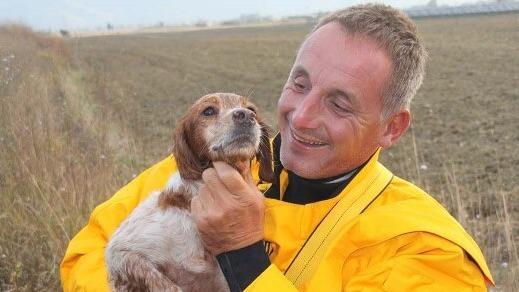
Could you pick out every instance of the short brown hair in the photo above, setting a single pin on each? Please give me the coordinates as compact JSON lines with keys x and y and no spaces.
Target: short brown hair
{"x":395,"y":32}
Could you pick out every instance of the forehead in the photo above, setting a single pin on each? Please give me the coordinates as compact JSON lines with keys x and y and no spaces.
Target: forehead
{"x":223,"y":100}
{"x":333,"y":53}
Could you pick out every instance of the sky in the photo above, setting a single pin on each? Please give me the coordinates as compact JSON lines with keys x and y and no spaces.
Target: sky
{"x":95,"y":14}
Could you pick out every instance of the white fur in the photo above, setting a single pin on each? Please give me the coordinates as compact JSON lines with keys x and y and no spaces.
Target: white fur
{"x":167,"y":238}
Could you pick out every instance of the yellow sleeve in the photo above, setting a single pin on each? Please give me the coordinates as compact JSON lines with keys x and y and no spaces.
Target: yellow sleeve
{"x":83,"y":267}
{"x":272,"y":279}
{"x":416,"y":261}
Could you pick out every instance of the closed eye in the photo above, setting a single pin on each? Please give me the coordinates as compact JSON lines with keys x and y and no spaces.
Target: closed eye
{"x":300,"y":83}
{"x":340,"y":107}
{"x":300,"y":79}
{"x":209,"y":111}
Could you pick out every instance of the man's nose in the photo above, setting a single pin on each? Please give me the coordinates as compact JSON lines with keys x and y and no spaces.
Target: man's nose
{"x":307,"y":112}
{"x":243,"y":116}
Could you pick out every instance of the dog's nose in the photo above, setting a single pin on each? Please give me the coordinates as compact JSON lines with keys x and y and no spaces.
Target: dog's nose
{"x":241,"y":116}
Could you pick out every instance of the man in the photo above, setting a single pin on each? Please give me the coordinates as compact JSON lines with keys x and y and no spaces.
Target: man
{"x":335,"y":219}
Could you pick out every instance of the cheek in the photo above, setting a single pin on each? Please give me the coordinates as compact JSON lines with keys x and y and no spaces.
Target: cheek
{"x":343,"y":132}
{"x":285,"y":105}
{"x":210,"y":133}
{"x":354,"y":136}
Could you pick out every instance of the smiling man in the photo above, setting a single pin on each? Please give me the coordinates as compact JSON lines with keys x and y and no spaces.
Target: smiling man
{"x":335,"y":219}
{"x":329,"y":114}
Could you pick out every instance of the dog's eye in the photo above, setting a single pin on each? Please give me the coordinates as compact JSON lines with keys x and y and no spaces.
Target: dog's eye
{"x":209,"y":111}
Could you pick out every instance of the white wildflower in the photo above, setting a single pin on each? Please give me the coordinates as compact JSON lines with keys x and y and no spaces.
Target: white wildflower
{"x":504,"y":265}
{"x":423,"y":166}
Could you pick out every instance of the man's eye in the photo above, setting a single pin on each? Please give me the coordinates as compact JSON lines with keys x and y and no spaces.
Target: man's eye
{"x":340,"y":107}
{"x":209,"y":111}
{"x":299,"y":83}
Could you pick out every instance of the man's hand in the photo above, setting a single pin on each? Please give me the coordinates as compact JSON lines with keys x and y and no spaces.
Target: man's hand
{"x":229,"y":210}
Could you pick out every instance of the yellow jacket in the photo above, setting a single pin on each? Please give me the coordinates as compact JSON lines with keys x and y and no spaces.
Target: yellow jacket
{"x":403,"y":241}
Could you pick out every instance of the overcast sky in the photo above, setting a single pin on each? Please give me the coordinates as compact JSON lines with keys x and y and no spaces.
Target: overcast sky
{"x":91,"y":14}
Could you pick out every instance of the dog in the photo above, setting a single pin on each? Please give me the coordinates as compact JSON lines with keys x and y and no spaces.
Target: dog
{"x":158,"y":248}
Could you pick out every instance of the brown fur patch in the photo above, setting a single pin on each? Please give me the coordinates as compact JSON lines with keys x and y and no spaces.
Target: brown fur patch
{"x":264,"y":155}
{"x":169,"y":198}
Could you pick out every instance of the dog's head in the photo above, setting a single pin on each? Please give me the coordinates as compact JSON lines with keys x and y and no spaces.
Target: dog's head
{"x":221,"y":127}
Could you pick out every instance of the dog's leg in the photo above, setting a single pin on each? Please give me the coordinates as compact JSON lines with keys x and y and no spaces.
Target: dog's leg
{"x":139,"y":274}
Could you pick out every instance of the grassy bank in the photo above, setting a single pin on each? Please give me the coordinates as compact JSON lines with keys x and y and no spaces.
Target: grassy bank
{"x":57,"y":162}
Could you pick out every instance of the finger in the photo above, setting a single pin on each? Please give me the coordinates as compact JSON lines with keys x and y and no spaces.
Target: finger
{"x":201,"y":208}
{"x":205,"y":198}
{"x":247,"y":175}
{"x":196,"y":207}
{"x":215,"y":187}
{"x":230,"y":177}
{"x":241,"y":166}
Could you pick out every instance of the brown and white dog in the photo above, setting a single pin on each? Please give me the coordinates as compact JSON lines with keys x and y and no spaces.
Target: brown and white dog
{"x":158,"y":248}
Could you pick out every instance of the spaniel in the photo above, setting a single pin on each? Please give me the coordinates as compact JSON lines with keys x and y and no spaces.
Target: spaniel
{"x":158,"y":248}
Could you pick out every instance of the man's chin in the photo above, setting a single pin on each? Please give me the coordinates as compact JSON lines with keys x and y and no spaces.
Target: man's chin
{"x":302,"y":166}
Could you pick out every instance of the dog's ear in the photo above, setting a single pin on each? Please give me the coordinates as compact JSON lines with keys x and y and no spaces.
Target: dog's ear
{"x":189,"y":165}
{"x":264,"y":154}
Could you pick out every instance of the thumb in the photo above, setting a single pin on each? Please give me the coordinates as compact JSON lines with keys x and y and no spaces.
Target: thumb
{"x":247,"y":175}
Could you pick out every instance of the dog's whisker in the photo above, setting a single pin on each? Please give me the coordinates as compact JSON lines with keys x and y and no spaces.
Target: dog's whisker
{"x":250,"y":92}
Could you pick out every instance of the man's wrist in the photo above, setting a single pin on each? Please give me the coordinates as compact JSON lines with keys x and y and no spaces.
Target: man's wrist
{"x":240,"y":267}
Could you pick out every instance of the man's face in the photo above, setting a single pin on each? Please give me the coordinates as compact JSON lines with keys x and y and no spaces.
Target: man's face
{"x":330,"y":108}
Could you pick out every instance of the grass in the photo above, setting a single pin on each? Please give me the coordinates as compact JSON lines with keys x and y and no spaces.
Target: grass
{"x":57,"y":161}
{"x":80,"y":117}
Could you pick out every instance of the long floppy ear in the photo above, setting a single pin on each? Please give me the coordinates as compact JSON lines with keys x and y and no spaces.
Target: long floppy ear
{"x":189,"y":166}
{"x":264,"y":154}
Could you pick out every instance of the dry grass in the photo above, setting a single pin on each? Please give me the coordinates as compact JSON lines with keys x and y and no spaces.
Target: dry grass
{"x":78,"y":119}
{"x":56,"y":162}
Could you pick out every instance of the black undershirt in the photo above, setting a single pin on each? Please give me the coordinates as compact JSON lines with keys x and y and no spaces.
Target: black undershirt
{"x":242,"y":266}
{"x":306,"y":191}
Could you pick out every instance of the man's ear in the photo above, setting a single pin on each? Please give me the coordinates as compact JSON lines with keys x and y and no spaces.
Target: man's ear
{"x":188,"y":164}
{"x":395,"y":127}
{"x":264,"y":154}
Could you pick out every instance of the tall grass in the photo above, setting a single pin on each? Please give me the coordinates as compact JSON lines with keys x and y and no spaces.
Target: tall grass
{"x":56,"y":163}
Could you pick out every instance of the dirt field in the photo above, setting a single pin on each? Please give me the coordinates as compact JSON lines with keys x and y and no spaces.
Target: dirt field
{"x":76,"y":113}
